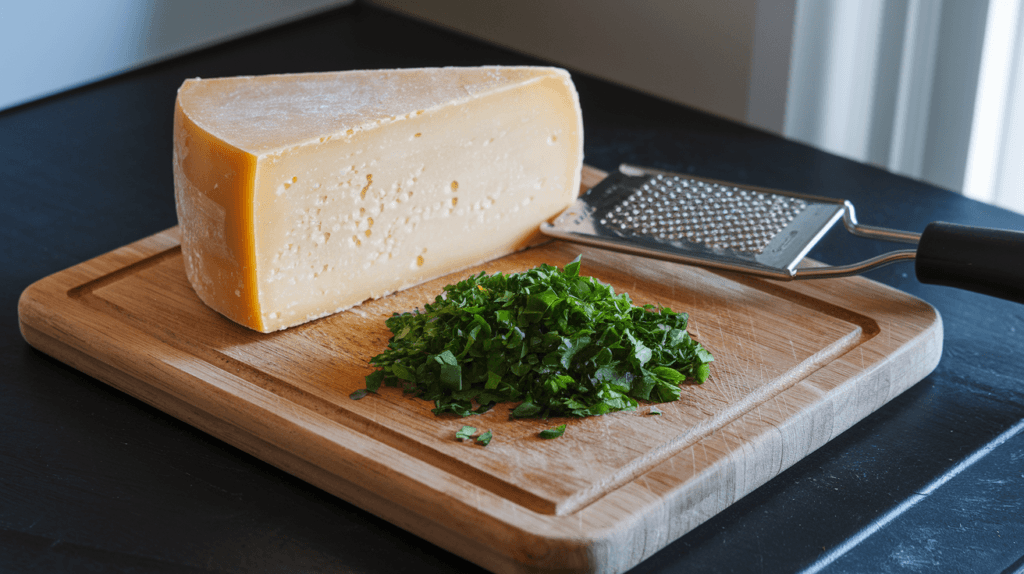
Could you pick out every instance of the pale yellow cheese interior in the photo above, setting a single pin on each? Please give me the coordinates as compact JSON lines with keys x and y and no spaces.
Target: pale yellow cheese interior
{"x":303,"y":195}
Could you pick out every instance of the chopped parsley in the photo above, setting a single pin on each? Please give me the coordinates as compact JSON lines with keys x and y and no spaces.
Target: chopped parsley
{"x":553,"y":341}
{"x":553,"y":433}
{"x":484,"y":439}
{"x":465,"y":433}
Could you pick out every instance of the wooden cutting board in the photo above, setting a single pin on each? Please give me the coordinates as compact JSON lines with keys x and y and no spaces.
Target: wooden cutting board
{"x":795,"y":365}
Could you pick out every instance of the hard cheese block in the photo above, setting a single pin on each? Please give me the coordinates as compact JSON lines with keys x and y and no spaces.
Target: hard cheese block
{"x":302,"y":195}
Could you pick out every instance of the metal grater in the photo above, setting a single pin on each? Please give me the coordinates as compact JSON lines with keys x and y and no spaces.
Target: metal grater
{"x":712,"y":223}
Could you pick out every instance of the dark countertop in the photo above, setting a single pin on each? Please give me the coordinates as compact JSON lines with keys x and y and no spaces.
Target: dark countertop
{"x":94,"y":480}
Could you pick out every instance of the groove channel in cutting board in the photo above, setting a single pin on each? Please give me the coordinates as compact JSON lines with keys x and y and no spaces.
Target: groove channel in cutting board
{"x":316,"y":366}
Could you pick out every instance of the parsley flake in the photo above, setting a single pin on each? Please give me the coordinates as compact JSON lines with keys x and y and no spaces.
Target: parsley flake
{"x":465,"y":432}
{"x":485,"y":438}
{"x":553,"y":433}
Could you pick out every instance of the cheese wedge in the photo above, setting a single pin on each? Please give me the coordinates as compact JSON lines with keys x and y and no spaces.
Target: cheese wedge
{"x":302,"y":195}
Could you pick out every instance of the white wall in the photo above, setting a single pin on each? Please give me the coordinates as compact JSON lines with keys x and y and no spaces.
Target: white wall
{"x":697,"y":52}
{"x":48,"y":46}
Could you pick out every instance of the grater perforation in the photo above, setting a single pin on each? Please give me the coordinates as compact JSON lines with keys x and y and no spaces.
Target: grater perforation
{"x":678,"y":208}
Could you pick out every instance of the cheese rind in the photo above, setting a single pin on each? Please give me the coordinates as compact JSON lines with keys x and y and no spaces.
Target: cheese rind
{"x":303,"y":195}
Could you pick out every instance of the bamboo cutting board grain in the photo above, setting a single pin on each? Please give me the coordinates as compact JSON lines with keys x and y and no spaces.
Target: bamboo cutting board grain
{"x":795,"y":365}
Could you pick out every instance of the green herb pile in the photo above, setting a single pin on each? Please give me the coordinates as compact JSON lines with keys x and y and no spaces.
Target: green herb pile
{"x":557,"y":343}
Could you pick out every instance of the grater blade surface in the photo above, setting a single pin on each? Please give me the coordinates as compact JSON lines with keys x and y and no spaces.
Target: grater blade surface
{"x":700,"y":221}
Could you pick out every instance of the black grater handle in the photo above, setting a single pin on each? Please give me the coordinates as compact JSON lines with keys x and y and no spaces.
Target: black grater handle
{"x":988,"y":261}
